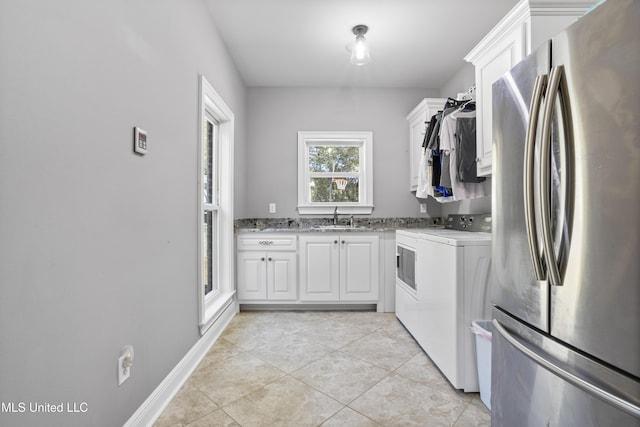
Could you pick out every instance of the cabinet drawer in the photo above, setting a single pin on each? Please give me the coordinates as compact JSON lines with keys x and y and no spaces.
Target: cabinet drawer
{"x":270,"y":242}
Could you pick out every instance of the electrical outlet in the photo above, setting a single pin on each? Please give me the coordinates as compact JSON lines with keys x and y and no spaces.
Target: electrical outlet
{"x":125,"y":361}
{"x":423,"y":208}
{"x":272,"y":208}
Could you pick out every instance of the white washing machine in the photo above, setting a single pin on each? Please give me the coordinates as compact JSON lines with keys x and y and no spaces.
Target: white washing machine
{"x":451,"y":290}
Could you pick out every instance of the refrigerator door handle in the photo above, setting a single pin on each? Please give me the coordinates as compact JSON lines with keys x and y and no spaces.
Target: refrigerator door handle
{"x":553,"y":271}
{"x":529,"y":174}
{"x":567,"y":376}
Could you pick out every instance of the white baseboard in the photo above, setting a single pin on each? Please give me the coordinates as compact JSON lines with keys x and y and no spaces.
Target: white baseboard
{"x":152,"y":408}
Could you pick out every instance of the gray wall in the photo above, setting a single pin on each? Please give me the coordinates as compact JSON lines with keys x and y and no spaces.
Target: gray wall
{"x":98,"y":245}
{"x":460,"y":81}
{"x":277,"y":114}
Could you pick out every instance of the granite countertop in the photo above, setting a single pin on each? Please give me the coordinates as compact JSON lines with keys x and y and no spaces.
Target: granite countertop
{"x":318,"y":229}
{"x":325,"y":225}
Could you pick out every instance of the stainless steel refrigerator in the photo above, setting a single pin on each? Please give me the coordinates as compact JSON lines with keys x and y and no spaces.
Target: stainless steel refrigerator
{"x":566,"y":228}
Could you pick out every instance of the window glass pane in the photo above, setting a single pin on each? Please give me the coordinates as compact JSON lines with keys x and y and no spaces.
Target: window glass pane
{"x":208,"y":178}
{"x":334,"y":158}
{"x":209,"y":231}
{"x":337,"y":189}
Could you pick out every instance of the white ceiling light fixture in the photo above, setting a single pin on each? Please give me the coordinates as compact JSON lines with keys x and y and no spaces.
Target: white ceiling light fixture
{"x":360,"y":51}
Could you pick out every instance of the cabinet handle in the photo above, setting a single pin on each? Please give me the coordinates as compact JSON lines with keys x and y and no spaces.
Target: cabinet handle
{"x":335,"y":242}
{"x":270,"y":259}
{"x":262,"y":259}
{"x":343,"y":242}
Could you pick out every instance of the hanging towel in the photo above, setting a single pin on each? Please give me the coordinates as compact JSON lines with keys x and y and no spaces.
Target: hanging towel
{"x":425,"y":189}
{"x":466,"y":165}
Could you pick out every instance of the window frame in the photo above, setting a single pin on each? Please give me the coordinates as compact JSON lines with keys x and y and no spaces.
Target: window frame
{"x":362,"y":139}
{"x":211,"y":305}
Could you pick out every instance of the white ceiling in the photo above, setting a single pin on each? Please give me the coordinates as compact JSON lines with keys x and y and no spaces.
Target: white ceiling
{"x":413,"y":43}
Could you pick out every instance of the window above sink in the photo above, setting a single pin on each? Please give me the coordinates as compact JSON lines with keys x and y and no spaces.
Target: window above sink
{"x":334,"y":170}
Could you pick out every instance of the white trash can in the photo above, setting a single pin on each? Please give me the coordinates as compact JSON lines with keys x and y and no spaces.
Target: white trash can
{"x":482,"y":330}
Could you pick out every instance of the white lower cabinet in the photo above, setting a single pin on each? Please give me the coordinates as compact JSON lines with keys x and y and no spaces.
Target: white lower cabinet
{"x":335,"y":268}
{"x":267,"y":275}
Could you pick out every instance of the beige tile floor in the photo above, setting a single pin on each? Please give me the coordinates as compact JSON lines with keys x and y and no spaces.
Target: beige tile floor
{"x":319,"y":369}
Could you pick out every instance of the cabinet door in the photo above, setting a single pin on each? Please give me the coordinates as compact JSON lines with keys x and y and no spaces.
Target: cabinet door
{"x":281,"y":275}
{"x":359,"y":256}
{"x":418,"y":118}
{"x":252,"y":275}
{"x":319,"y":268}
{"x":417,"y":129}
{"x":496,"y":62}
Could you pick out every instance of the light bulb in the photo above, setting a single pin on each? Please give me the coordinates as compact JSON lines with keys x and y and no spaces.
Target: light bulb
{"x":360,"y":53}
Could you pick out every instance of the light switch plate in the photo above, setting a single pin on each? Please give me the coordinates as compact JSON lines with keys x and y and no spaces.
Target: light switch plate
{"x":139,"y":141}
{"x":125,"y":361}
{"x":124,"y":372}
{"x":272,"y":208}
{"x":423,"y":208}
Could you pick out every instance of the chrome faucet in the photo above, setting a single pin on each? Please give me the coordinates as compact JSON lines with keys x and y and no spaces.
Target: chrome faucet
{"x":335,"y":216}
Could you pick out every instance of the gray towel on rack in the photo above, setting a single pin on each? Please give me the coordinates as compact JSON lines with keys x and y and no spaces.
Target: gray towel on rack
{"x":466,"y":167}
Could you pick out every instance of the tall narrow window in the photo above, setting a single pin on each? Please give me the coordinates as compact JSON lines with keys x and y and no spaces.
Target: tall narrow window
{"x":215,"y":206}
{"x":210,"y":205}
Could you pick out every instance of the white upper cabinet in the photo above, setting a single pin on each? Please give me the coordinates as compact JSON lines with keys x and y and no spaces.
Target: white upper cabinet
{"x":525,"y":27}
{"x":418,"y":118}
